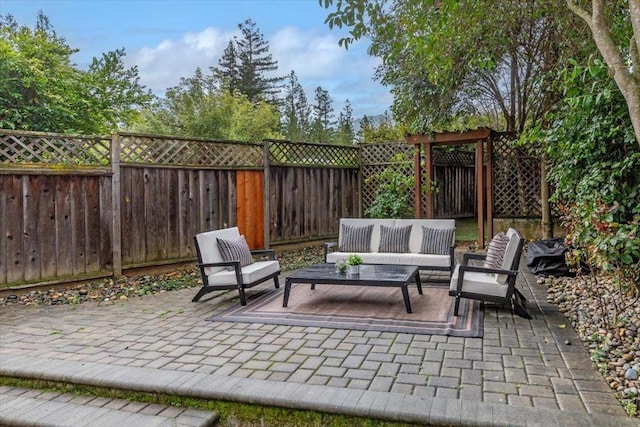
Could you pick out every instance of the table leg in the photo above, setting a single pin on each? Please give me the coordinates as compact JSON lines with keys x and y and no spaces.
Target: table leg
{"x":287,"y":289}
{"x":405,"y":295}
{"x":418,"y":282}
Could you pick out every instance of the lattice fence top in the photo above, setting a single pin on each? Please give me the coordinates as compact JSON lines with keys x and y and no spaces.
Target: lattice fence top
{"x":303,"y":154}
{"x":376,"y":154}
{"x":442,"y":157}
{"x":147,"y":149}
{"x":48,"y":149}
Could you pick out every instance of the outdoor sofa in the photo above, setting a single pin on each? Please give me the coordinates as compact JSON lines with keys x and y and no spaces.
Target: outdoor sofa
{"x":426,"y":243}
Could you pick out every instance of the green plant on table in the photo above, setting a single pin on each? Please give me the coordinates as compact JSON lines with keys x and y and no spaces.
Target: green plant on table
{"x":354,"y":259}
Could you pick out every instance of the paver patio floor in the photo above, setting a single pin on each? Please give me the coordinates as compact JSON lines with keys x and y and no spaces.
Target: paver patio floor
{"x":522,"y":372}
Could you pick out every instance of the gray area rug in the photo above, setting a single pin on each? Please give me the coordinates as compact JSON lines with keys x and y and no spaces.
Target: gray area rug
{"x":361,"y":308}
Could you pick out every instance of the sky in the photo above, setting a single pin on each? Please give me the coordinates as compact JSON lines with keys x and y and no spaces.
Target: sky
{"x":168,"y":39}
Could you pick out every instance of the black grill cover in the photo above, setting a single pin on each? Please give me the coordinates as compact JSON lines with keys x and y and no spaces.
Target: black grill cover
{"x":546,"y":258}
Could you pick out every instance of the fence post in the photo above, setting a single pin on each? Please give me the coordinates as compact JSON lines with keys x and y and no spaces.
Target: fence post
{"x":116,"y":225}
{"x":266,"y":195}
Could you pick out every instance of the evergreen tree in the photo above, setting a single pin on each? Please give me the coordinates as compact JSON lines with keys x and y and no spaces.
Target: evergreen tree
{"x":322,"y":127}
{"x":246,"y":63}
{"x":345,"y":133}
{"x":296,"y":110}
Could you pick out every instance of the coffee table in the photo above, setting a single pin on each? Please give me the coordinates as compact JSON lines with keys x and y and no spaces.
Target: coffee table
{"x":370,"y":275}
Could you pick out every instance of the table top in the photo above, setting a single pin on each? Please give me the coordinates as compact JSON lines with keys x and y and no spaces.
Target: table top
{"x":326,"y":273}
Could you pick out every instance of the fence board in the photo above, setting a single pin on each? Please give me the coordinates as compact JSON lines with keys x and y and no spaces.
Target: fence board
{"x":92,"y":221}
{"x":48,"y":251}
{"x":63,"y":226}
{"x":105,"y":243}
{"x":31,"y":235}
{"x":78,"y":231}
{"x":3,"y":229}
{"x":14,"y":226}
{"x":173,"y":213}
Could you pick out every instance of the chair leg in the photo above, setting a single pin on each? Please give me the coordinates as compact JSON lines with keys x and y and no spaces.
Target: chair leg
{"x":243,"y":298}
{"x":457,"y":306}
{"x":200,"y":293}
{"x":276,"y":282}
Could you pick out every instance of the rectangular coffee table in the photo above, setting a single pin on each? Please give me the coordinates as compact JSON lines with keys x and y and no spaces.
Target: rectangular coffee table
{"x":370,"y":275}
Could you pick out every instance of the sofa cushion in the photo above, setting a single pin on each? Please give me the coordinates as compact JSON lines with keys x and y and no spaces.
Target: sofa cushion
{"x":235,"y":249}
{"x":495,"y":251}
{"x":356,"y":238}
{"x":436,"y":241}
{"x":419,"y":260}
{"x":394,"y":239}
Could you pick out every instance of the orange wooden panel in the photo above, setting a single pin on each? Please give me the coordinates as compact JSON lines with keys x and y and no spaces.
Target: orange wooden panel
{"x":250,"y":207}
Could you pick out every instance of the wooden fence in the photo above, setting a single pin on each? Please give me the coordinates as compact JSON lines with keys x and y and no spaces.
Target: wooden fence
{"x":79,"y":207}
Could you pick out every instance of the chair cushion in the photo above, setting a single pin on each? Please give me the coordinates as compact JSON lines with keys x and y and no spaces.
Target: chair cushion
{"x":436,"y":241}
{"x":478,"y":283}
{"x":250,"y":273}
{"x":235,"y":249}
{"x":356,"y":239}
{"x":394,"y":239}
{"x":495,"y":251}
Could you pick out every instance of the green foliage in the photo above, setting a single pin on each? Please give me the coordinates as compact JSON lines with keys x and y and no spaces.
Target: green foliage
{"x":395,"y":184}
{"x":381,"y":129}
{"x":42,"y":90}
{"x":200,"y":106}
{"x":354,"y":259}
{"x":594,"y":163}
{"x":450,"y":60}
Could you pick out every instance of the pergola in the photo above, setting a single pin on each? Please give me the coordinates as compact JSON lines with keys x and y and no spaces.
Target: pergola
{"x":483,"y":140}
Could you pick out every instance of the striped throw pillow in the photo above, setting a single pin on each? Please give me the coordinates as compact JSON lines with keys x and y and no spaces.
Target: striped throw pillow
{"x":394,"y":239}
{"x":495,"y":251}
{"x":356,"y":239}
{"x":235,"y":249}
{"x":436,"y":241}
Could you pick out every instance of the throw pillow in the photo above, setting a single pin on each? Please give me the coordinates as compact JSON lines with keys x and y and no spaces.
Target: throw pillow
{"x":495,"y":251}
{"x":356,"y":239}
{"x":436,"y":241}
{"x":235,"y":249}
{"x":394,"y":239}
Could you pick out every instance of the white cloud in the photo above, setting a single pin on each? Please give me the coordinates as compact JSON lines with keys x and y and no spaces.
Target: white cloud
{"x":316,"y":58}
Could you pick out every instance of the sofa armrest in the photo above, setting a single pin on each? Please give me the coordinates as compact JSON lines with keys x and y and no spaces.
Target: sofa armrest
{"x":327,"y":246}
{"x":452,"y":259}
{"x":269,"y":253}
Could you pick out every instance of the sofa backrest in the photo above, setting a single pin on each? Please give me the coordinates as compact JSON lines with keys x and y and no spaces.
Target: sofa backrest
{"x":208,"y":251}
{"x":415,"y":239}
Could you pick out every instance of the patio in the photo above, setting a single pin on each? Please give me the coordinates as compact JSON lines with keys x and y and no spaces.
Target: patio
{"x":522,"y":372}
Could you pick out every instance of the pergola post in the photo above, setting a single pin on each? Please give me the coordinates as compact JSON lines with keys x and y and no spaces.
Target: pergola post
{"x":417,"y":202}
{"x":480,"y":191}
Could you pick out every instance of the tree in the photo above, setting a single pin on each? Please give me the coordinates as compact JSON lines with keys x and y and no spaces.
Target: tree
{"x":41,"y":90}
{"x":322,"y":126}
{"x":203,"y":106}
{"x":381,"y":129}
{"x":623,"y":61}
{"x":296,"y":110}
{"x":451,"y":59}
{"x":345,"y":133}
{"x":247,"y":63}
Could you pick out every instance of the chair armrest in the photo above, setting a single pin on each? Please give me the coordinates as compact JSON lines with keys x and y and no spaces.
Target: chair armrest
{"x":470,"y":255}
{"x":220,"y":264}
{"x":452,"y":259}
{"x":327,"y":246}
{"x":475,"y":269}
{"x":270,"y":253}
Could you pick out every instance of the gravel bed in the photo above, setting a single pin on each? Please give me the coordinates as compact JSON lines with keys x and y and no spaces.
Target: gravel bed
{"x":591,"y":303}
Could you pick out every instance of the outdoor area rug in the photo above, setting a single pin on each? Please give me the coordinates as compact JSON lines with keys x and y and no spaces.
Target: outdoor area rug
{"x":365,"y":308}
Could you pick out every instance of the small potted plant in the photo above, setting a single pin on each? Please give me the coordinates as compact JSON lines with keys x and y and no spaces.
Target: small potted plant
{"x":353,"y":264}
{"x":341,"y":266}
